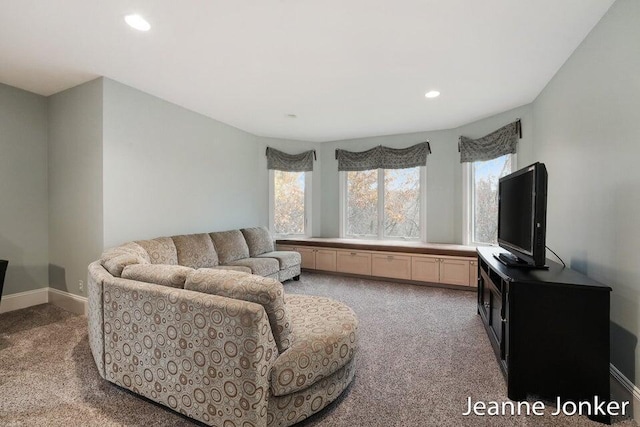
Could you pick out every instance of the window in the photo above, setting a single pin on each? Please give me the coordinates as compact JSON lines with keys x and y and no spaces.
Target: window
{"x":480,"y":192}
{"x":290,"y":201}
{"x":384,"y":204}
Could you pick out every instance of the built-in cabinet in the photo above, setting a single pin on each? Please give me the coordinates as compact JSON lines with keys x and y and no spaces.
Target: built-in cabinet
{"x":353,"y":262}
{"x":314,"y":258}
{"x":394,"y":266}
{"x":452,"y":270}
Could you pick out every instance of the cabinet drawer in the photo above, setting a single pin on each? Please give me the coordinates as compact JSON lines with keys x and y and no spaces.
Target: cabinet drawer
{"x":425,"y":269}
{"x":473,"y":274}
{"x":285,"y":248}
{"x":325,"y":260}
{"x":388,"y":265}
{"x":353,"y":262}
{"x":454,"y":271}
{"x":308,"y":257}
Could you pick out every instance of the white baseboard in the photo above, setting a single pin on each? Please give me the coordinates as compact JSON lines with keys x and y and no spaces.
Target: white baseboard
{"x":68,"y":301}
{"x":624,"y":389}
{"x":24,"y":299}
{"x":65,"y":300}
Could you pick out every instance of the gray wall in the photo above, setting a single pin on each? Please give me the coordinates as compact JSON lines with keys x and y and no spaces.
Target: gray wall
{"x":75,"y":184}
{"x":444,"y":171}
{"x":23,"y":189}
{"x":168,"y":170}
{"x":587,"y":131}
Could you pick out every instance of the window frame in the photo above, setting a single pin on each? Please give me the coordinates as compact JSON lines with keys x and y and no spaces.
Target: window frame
{"x":380,"y":208}
{"x":308,"y":181}
{"x":467,"y":202}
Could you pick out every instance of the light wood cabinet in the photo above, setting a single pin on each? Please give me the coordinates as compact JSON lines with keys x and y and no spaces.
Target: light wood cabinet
{"x":450,"y":270}
{"x":391,"y":265}
{"x":473,"y":274}
{"x":314,"y":258}
{"x":425,"y":269}
{"x":325,"y":259}
{"x":454,"y":271}
{"x":353,"y":262}
{"x":308,"y":257}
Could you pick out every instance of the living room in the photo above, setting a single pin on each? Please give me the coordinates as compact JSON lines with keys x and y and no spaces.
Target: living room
{"x":92,"y":160}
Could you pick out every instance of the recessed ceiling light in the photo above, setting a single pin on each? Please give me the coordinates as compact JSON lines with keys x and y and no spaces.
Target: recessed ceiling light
{"x":137,"y":22}
{"x":432,"y":94}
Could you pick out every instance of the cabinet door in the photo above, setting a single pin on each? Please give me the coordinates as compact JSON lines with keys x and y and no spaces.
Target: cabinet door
{"x":391,"y":265}
{"x":454,"y":271}
{"x":308,"y":257}
{"x":325,"y":260}
{"x":353,"y":262}
{"x":425,"y":269}
{"x":473,"y":274}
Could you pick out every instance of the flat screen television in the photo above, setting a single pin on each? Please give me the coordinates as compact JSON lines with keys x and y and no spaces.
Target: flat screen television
{"x":522,"y":217}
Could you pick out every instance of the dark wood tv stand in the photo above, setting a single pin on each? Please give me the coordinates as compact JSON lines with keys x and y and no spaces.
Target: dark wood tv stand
{"x":548,"y":328}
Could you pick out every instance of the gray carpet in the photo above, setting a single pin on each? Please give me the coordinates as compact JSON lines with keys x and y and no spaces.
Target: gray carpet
{"x":423,"y":352}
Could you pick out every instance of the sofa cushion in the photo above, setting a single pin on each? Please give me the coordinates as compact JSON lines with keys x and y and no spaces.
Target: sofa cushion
{"x":173,"y":276}
{"x":324,"y":340}
{"x":115,"y":259}
{"x":230,"y":245}
{"x":258,"y":239}
{"x":286,"y":259}
{"x":161,"y":250}
{"x":233,"y":268}
{"x":260,"y":266}
{"x":195,"y":250}
{"x":247,"y":287}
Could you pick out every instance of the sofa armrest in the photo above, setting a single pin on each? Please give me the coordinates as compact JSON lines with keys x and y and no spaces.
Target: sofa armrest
{"x":206,"y":356}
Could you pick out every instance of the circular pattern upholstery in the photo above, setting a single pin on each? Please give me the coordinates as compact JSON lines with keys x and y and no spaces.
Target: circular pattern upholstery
{"x":198,"y":354}
{"x":324,"y":340}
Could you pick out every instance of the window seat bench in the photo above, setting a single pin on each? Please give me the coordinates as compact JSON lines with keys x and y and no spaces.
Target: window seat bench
{"x":411,"y":262}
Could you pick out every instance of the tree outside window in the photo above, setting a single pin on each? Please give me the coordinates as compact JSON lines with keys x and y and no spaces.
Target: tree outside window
{"x":484,"y":197}
{"x":289,"y":203}
{"x":383,"y":203}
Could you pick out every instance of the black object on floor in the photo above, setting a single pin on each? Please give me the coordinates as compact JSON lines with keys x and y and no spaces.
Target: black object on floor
{"x":3,"y":270}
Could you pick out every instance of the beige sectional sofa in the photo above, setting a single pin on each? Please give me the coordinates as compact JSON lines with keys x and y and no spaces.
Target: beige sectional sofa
{"x":250,"y":250}
{"x":182,"y":322}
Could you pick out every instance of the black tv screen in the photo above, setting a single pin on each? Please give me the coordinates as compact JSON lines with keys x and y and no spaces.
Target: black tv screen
{"x":522,"y":211}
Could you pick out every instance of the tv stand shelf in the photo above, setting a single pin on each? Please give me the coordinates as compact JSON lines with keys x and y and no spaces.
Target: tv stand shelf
{"x":549,"y":329}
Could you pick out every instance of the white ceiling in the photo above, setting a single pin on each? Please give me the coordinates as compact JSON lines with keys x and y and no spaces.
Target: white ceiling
{"x":346,"y":68}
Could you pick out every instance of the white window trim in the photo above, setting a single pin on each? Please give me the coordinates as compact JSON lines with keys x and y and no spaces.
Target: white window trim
{"x":467,"y":206}
{"x":423,"y":209}
{"x":308,"y":181}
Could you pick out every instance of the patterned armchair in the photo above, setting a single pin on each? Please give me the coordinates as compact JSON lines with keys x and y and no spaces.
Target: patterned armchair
{"x":221,"y":346}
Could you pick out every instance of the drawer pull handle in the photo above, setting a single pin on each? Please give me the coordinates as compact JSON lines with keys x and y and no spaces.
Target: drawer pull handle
{"x":353,"y":253}
{"x":390,"y":257}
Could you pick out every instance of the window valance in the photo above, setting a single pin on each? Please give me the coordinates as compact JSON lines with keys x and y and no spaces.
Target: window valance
{"x":498,"y":143}
{"x":381,"y":157}
{"x":282,"y":161}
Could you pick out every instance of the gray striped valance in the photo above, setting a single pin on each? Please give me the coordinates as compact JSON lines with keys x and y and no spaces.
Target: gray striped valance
{"x":381,"y":157}
{"x":498,"y":143}
{"x":282,"y":161}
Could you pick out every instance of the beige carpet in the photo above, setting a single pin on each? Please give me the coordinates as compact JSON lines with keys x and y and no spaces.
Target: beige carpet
{"x":423,"y":352}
